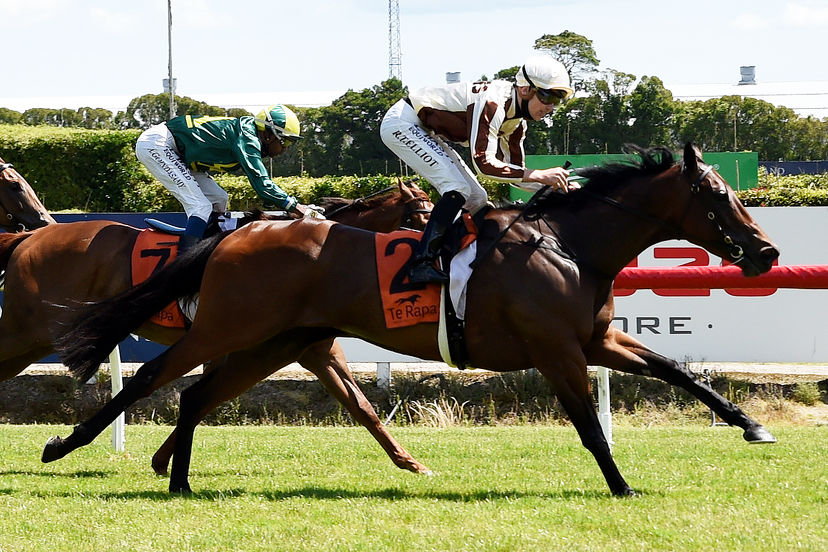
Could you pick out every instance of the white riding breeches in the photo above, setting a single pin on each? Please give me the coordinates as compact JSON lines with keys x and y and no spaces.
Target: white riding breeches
{"x":198,"y":193}
{"x":430,"y":156}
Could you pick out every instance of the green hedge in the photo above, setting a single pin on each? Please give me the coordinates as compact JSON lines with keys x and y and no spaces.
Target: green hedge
{"x":97,"y":171}
{"x":787,"y":191}
{"x":71,"y":168}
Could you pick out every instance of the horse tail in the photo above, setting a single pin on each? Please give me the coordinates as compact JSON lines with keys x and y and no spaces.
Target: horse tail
{"x":97,"y":327}
{"x":8,"y":243}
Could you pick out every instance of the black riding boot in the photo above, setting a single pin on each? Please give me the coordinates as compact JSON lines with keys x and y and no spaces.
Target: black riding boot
{"x":212,"y":225}
{"x":422,"y":260}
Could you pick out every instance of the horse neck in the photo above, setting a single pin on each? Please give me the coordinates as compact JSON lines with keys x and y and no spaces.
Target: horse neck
{"x":605,"y":238}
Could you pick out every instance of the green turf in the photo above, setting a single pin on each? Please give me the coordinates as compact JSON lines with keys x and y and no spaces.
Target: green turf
{"x":495,"y":488}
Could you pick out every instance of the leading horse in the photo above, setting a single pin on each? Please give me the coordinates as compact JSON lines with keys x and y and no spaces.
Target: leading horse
{"x":79,"y":262}
{"x":20,"y":208}
{"x":540,"y":297}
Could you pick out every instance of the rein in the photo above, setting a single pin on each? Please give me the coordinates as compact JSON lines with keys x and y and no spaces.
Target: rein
{"x":736,"y":251}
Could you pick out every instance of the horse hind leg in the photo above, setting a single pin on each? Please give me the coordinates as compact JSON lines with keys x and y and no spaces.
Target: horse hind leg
{"x":619,"y":351}
{"x":326,"y":361}
{"x":176,"y":361}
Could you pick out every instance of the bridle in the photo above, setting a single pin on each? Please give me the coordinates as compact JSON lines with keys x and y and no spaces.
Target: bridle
{"x":736,"y":251}
{"x":413,"y":206}
{"x":9,"y":215}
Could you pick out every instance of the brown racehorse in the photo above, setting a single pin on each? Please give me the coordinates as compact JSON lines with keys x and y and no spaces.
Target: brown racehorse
{"x":541,"y":297}
{"x":78,"y":262}
{"x":20,"y":209}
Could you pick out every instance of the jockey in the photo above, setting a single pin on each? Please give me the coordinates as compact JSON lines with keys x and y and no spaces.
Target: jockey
{"x":489,"y":118}
{"x":180,"y":152}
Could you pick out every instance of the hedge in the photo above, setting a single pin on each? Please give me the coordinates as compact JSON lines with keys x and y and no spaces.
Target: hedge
{"x":97,"y":171}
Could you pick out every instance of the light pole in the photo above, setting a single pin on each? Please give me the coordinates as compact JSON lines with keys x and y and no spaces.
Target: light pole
{"x":169,"y":66}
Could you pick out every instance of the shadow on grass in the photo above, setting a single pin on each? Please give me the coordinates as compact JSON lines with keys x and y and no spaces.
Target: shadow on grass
{"x":72,"y":474}
{"x":326,"y":493}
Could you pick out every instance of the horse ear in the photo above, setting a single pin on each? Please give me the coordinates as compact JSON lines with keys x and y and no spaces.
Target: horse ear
{"x":404,"y":190}
{"x":692,"y":156}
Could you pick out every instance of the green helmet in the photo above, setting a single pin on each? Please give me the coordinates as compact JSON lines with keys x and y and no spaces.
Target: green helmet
{"x":281,"y":120}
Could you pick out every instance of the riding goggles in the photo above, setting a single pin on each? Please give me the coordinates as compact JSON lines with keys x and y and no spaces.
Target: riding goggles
{"x":546,"y":96}
{"x":550,"y":97}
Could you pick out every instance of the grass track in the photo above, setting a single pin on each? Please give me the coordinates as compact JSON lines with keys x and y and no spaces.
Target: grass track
{"x":496,"y":488}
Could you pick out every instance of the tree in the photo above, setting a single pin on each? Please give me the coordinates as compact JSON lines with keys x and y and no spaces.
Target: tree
{"x":574,"y":51}
{"x":343,"y":138}
{"x":10,"y":116}
{"x":151,"y":109}
{"x":651,"y":112}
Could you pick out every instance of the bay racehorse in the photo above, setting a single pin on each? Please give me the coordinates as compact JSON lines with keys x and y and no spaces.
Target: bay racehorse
{"x":75,"y":263}
{"x":541,"y":296}
{"x":20,"y":208}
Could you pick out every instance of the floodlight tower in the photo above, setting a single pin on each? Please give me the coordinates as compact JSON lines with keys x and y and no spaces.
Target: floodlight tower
{"x":394,"y":51}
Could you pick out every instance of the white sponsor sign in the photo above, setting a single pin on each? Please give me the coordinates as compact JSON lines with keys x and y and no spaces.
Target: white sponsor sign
{"x":782,"y":325}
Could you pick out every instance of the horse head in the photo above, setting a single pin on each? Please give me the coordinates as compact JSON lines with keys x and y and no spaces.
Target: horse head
{"x":386,"y":210}
{"x":417,"y":204}
{"x":20,"y":209}
{"x":715,"y":218}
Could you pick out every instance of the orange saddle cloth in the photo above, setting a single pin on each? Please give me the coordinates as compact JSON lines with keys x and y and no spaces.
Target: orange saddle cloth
{"x":403,"y":303}
{"x":152,"y":251}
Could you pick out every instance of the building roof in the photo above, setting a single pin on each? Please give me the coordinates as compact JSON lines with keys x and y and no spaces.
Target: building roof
{"x":806,"y":98}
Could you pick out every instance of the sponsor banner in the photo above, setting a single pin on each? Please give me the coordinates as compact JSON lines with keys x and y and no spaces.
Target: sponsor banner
{"x":736,"y":325}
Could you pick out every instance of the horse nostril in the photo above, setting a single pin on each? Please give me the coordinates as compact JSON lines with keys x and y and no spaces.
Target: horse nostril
{"x":769,"y":253}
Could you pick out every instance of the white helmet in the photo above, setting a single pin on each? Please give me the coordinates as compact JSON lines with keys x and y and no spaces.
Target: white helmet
{"x":544,"y":72}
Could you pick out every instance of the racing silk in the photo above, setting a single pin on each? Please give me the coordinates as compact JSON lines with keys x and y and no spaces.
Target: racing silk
{"x":224,"y":144}
{"x":481,"y":115}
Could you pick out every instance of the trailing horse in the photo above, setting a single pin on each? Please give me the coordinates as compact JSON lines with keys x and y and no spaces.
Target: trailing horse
{"x":70,"y":264}
{"x":541,"y":296}
{"x":20,"y":208}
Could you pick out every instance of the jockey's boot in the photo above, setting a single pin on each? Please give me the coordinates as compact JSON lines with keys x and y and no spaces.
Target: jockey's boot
{"x":213,"y":227}
{"x":422,"y":269}
{"x":192,"y":233}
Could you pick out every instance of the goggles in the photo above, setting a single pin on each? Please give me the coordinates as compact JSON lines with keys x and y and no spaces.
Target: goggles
{"x":550,"y":97}
{"x":546,"y":96}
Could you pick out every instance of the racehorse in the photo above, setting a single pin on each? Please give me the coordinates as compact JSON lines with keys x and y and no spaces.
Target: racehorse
{"x":20,"y":209}
{"x":74,"y":263}
{"x":541,"y":296}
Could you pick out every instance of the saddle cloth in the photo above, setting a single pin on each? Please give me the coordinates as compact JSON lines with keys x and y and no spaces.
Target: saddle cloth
{"x":152,"y":251}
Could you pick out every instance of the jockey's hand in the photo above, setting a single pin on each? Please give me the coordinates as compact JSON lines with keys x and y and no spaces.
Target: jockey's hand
{"x":556,"y":177}
{"x":309,"y":211}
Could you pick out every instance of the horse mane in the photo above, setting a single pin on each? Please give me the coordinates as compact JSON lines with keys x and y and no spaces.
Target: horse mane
{"x":604,"y":179}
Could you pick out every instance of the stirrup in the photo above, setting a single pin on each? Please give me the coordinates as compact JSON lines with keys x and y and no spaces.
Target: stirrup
{"x":426,"y":273}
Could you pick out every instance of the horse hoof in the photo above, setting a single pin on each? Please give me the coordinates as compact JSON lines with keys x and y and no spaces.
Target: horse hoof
{"x":625,"y":492}
{"x":758,"y":435}
{"x":180,"y":488}
{"x":51,"y":451}
{"x":159,"y":468}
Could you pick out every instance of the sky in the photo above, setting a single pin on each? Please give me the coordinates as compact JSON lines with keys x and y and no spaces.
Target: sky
{"x":102,"y":53}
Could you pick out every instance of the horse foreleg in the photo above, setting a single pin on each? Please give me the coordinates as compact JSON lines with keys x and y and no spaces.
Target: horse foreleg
{"x":620,"y":351}
{"x":570,"y":384}
{"x":249,"y":367}
{"x":327,"y":361}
